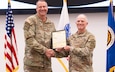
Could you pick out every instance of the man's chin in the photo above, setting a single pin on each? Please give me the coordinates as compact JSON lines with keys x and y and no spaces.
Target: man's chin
{"x":43,"y":14}
{"x":80,"y":29}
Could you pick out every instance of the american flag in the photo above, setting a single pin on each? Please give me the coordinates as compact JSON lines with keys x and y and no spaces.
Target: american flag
{"x":10,"y":45}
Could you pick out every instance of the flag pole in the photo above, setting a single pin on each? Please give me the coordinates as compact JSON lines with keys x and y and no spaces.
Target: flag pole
{"x":8,"y":1}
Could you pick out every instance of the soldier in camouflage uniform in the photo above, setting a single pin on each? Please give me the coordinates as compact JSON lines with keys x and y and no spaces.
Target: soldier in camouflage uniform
{"x":82,"y":44}
{"x":37,"y":32}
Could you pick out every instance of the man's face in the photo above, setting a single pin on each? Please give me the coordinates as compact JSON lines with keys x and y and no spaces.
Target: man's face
{"x":81,"y":23}
{"x":42,"y":8}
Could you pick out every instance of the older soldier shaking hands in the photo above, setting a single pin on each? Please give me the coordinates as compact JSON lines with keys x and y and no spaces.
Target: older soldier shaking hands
{"x":80,"y":48}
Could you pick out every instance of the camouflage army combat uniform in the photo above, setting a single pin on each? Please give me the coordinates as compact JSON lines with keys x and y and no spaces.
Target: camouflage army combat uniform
{"x":38,"y":38}
{"x":82,"y":52}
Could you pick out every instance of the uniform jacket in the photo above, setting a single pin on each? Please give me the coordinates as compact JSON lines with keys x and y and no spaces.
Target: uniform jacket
{"x":37,"y":39}
{"x":81,"y":52}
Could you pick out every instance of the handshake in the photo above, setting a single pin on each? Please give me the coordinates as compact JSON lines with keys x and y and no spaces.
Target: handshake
{"x":50,"y":53}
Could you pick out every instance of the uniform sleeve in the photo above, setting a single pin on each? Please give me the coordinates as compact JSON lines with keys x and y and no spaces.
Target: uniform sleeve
{"x":86,"y":49}
{"x":29,"y":34}
{"x":61,"y":54}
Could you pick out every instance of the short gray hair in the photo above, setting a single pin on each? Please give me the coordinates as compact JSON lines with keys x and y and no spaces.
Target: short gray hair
{"x":41,"y":1}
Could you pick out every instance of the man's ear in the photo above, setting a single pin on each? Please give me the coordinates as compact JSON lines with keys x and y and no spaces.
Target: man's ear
{"x":87,"y":23}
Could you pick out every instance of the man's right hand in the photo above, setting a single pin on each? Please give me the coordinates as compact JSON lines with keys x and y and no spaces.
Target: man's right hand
{"x":67,"y":48}
{"x":59,"y":49}
{"x":49,"y":53}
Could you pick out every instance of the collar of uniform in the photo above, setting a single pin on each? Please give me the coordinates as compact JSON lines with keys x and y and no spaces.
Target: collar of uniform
{"x":82,"y":34}
{"x":46,"y":22}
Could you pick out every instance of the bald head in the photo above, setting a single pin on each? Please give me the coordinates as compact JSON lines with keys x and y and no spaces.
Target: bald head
{"x":82,"y":16}
{"x":81,"y":23}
